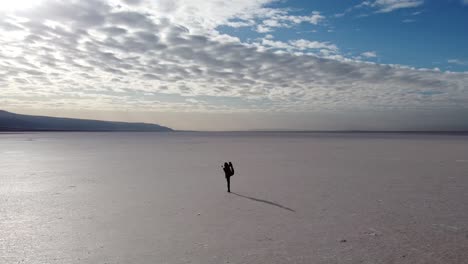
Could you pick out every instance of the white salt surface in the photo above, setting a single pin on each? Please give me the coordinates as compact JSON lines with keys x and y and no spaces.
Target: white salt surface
{"x":299,"y":198}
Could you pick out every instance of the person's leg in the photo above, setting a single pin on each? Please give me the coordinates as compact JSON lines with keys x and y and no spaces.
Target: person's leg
{"x":228,"y":179}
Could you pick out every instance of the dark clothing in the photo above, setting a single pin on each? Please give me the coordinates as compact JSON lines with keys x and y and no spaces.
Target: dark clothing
{"x":228,"y":179}
{"x":228,"y":171}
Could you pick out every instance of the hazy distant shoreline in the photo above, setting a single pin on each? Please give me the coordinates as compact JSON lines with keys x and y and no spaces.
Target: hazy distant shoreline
{"x":8,"y":131}
{"x":18,"y":123}
{"x":31,"y":123}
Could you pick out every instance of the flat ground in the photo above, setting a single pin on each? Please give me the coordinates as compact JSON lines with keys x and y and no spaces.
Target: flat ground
{"x":298,"y":198}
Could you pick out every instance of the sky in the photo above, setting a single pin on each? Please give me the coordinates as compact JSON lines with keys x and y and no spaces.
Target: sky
{"x":239,"y":64}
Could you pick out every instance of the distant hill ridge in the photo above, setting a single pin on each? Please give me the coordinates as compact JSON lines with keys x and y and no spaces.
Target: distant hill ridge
{"x":17,"y":122}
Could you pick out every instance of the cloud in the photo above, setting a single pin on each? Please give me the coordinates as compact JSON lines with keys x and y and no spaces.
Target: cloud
{"x":263,"y":29}
{"x":268,"y":19}
{"x":303,"y":44}
{"x":209,"y":14}
{"x":297,"y":46}
{"x":464,"y":2}
{"x":133,"y":2}
{"x":287,"y":21}
{"x":282,"y":19}
{"x":369,"y":54}
{"x":457,"y":62}
{"x":385,"y":6}
{"x":315,"y":18}
{"x":103,"y":55}
{"x":238,"y":24}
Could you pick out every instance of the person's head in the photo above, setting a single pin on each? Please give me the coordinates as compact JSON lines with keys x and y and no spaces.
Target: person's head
{"x":226,"y":164}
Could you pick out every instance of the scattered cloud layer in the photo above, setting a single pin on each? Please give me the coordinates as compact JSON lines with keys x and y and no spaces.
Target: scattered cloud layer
{"x":169,"y":56}
{"x":369,"y":54}
{"x":457,"y":62}
{"x":281,"y":19}
{"x":386,"y":6}
{"x":383,"y":6}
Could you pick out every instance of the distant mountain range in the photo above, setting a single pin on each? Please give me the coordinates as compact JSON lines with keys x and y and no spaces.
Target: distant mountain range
{"x":16,"y":122}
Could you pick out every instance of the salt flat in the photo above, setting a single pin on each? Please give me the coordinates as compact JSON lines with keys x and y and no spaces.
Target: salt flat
{"x":298,"y":198}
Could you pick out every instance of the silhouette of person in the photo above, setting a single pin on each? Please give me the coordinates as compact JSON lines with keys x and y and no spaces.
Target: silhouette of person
{"x":228,"y":171}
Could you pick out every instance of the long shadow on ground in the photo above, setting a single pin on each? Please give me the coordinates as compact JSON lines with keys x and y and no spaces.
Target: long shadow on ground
{"x":264,"y":201}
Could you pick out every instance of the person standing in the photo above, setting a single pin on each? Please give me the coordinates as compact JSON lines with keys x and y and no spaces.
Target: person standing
{"x":228,"y":171}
